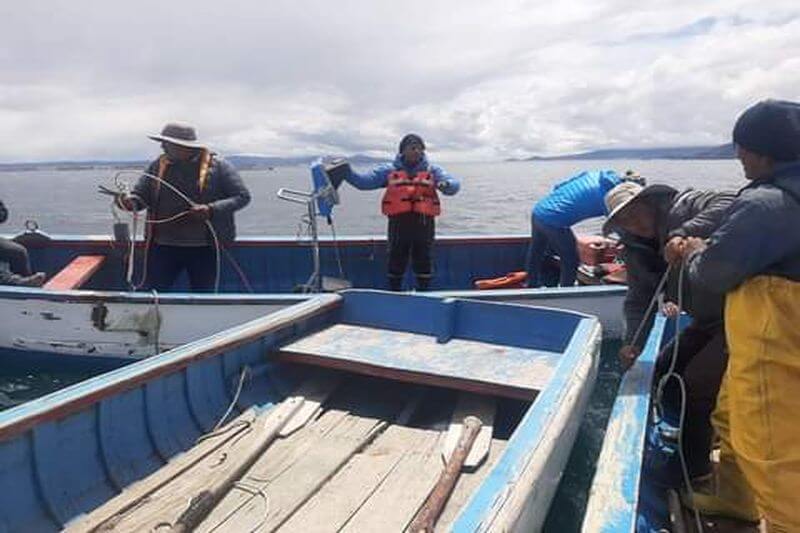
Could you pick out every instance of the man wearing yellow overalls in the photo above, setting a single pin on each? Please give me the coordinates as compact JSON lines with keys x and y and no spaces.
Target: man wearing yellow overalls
{"x":754,"y":258}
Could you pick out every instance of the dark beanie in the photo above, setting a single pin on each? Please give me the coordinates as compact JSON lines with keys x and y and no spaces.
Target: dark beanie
{"x":770,"y":128}
{"x":411,"y":138}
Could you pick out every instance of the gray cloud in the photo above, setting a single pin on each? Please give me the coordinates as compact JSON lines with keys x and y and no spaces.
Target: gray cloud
{"x":88,"y":79}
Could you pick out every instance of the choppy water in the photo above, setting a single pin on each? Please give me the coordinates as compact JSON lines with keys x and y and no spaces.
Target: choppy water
{"x":495,"y":198}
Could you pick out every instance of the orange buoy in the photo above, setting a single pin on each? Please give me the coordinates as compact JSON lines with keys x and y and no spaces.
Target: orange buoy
{"x":512,"y":280}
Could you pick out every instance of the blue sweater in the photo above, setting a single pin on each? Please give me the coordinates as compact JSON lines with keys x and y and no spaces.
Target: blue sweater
{"x":578,"y":198}
{"x":378,"y":177}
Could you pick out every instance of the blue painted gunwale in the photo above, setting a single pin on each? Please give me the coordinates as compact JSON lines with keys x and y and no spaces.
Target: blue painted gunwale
{"x":613,"y":503}
{"x":278,"y":264}
{"x":121,"y":426}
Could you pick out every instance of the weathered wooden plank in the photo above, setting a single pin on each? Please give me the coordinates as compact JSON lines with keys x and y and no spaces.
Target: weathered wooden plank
{"x":481,"y":407}
{"x":164,"y":505}
{"x":403,"y":491}
{"x":134,"y":494}
{"x":76,"y":273}
{"x":314,"y":393}
{"x":462,"y":364}
{"x":300,"y":481}
{"x":340,"y":498}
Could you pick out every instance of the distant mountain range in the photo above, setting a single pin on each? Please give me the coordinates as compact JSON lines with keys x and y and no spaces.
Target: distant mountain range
{"x":240,"y":161}
{"x":724,"y":151}
{"x":262,"y":162}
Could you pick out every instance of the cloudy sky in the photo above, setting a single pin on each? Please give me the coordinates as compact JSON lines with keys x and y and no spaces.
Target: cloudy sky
{"x":86,"y":79}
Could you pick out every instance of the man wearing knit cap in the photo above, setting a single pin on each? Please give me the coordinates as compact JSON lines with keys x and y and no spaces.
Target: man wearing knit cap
{"x":754,"y":260}
{"x":411,"y":204}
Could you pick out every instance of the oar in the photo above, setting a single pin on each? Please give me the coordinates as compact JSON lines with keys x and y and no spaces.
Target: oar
{"x":427,"y":516}
{"x":204,"y":503}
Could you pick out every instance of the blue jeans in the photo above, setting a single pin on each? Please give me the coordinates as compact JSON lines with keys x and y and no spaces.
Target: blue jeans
{"x":547,"y":239}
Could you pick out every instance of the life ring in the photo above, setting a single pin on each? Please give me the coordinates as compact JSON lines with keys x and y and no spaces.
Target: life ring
{"x":512,"y":280}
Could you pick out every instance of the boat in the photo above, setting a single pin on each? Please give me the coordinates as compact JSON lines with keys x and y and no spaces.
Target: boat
{"x":86,"y":308}
{"x":359,"y":411}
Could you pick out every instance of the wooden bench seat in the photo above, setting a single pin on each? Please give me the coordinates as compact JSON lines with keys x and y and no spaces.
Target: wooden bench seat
{"x":76,"y":273}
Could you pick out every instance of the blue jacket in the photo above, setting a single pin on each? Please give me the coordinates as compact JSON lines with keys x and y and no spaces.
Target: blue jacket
{"x":760,"y":235}
{"x":378,"y":177}
{"x":578,"y":198}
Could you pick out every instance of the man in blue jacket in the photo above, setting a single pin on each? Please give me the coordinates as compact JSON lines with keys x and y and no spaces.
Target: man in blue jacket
{"x":411,"y":203}
{"x":754,"y":260}
{"x":552,"y":218}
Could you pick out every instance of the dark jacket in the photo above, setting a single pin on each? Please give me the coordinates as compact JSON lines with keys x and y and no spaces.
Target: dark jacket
{"x":761,"y":235}
{"x":225,"y":193}
{"x":690,"y":213}
{"x":3,"y":212}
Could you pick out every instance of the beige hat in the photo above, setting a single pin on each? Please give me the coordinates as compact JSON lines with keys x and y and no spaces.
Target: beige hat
{"x":621,"y":196}
{"x":180,"y":134}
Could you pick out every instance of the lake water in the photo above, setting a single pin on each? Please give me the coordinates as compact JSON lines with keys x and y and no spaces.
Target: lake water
{"x":495,"y":198}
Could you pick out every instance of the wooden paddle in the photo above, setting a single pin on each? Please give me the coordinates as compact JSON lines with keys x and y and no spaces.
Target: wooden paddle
{"x":426,"y":517}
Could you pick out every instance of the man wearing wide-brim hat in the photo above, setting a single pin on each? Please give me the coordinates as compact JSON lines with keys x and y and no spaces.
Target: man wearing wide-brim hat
{"x":650,"y":221}
{"x":190,"y":195}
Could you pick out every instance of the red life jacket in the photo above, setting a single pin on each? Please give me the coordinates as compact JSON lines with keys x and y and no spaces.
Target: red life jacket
{"x":406,"y":194}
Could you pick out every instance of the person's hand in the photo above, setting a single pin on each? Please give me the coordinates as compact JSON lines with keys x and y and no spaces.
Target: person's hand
{"x":627,"y":355}
{"x":674,"y":250}
{"x":442,"y":185}
{"x":670,"y":310}
{"x":201,"y":211}
{"x":692,"y":245}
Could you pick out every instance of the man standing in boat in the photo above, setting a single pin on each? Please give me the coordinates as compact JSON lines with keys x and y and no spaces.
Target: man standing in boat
{"x":412,"y":204}
{"x":552,"y":217}
{"x":190,"y":195}
{"x":754,"y":260}
{"x":651,"y":222}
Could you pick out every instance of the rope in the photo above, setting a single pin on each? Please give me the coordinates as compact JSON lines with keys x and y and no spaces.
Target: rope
{"x":671,"y":374}
{"x":336,"y":248}
{"x":122,"y":187}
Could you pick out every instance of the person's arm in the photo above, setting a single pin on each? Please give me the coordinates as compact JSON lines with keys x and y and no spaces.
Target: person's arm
{"x":444,"y":181}
{"x":643,"y":279}
{"x":377,"y":178}
{"x":235,"y":194}
{"x":753,"y":237}
{"x":141,"y":197}
{"x":708,"y":218}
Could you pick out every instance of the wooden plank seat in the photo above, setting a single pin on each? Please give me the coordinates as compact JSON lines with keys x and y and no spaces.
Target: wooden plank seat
{"x":76,"y":273}
{"x":460,"y":364}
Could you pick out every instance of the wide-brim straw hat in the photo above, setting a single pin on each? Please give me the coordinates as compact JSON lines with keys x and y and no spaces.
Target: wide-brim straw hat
{"x":624,"y":195}
{"x":180,"y":134}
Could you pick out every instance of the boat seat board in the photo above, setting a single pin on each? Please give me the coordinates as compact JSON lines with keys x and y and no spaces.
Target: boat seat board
{"x":461,"y":364}
{"x":76,"y":273}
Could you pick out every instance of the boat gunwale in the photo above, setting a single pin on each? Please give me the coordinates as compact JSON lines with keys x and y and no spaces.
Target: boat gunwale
{"x":72,"y":399}
{"x":613,"y":502}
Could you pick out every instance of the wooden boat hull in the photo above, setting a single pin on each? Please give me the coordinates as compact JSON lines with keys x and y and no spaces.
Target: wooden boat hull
{"x":118,"y":428}
{"x":102,"y":320}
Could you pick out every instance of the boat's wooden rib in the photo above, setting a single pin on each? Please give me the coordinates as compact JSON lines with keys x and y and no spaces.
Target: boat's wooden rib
{"x":482,"y":408}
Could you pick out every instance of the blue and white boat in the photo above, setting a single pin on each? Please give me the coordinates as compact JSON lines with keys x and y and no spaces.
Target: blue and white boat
{"x":340,"y":413}
{"x":94,"y":314}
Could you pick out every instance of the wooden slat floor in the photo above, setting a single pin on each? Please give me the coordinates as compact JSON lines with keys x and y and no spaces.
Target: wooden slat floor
{"x":352,"y":468}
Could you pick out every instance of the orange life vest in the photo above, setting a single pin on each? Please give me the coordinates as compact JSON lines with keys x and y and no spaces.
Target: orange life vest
{"x":406,"y":194}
